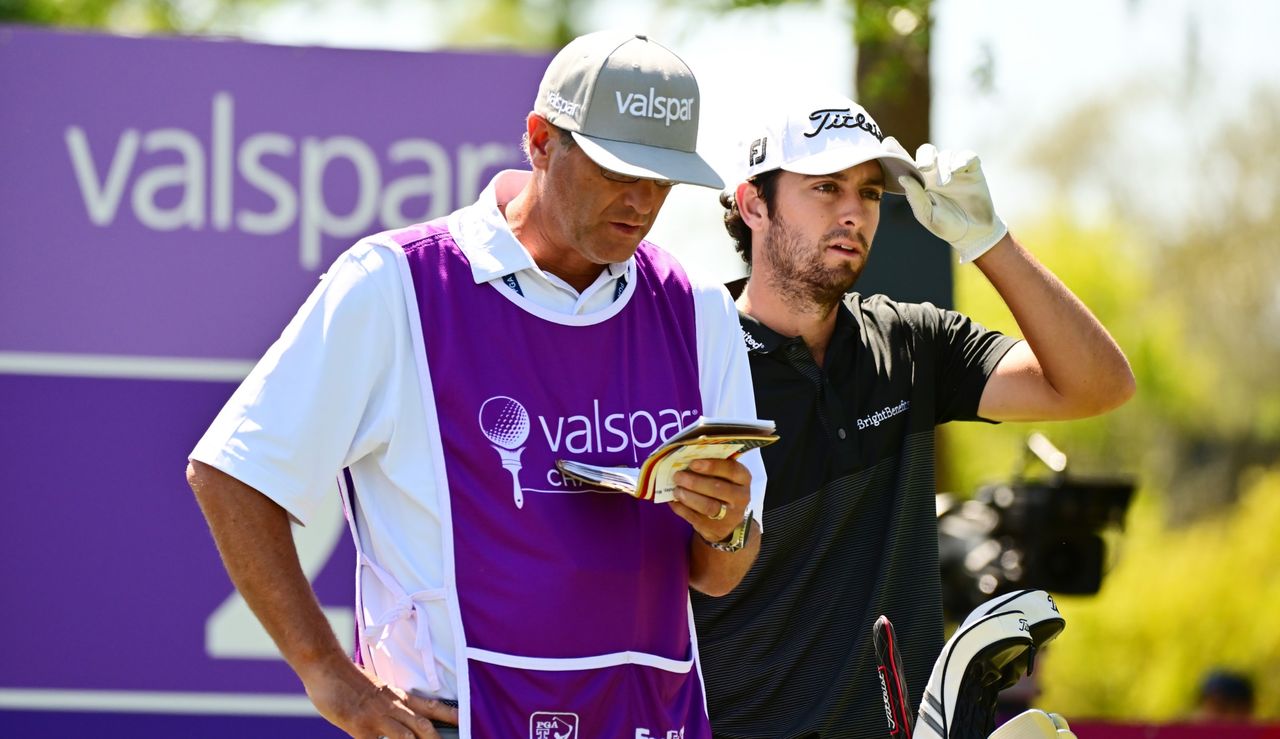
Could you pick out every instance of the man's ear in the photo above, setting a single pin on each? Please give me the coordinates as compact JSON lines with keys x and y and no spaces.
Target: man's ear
{"x":754,"y":210}
{"x":539,"y":132}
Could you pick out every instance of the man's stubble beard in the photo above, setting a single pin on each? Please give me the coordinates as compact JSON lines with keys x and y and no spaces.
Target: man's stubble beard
{"x":797,"y":273}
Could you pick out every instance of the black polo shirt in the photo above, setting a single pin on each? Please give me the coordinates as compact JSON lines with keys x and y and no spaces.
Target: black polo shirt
{"x":850,"y":530}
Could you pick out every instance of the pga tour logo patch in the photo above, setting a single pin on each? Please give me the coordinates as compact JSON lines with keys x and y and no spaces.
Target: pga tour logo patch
{"x":553,"y":725}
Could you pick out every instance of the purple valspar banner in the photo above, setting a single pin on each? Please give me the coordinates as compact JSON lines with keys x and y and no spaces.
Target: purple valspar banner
{"x":170,"y":200}
{"x":178,"y":198}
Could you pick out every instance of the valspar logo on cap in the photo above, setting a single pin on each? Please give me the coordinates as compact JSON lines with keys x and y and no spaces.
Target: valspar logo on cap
{"x":561,"y":105}
{"x":652,"y":105}
{"x":652,"y":133}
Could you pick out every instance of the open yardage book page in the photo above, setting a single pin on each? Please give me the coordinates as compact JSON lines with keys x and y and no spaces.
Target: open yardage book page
{"x":705,"y":438}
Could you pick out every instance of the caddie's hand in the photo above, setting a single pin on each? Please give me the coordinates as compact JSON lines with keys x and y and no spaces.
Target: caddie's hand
{"x":954,"y":203}
{"x":365,"y":707}
{"x":712,"y":495}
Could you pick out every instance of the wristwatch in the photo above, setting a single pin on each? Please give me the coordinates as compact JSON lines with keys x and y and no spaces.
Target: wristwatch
{"x":737,"y":539}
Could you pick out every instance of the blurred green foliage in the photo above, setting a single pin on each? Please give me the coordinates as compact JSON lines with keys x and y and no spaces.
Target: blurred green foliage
{"x":1096,"y":263}
{"x":131,"y":16}
{"x":1180,"y":602}
{"x":513,"y":24}
{"x":1191,"y":291}
{"x":1192,"y":295}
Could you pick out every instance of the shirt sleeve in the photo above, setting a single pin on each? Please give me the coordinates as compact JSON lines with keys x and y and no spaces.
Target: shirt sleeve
{"x":320,"y":398}
{"x":965,"y":353}
{"x":725,"y":375}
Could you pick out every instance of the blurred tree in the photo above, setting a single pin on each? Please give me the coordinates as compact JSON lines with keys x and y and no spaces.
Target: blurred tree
{"x":891,"y":71}
{"x":891,"y":75}
{"x":1199,"y":278}
{"x":513,"y":24}
{"x":1189,"y":285}
{"x":132,"y":16}
{"x":1222,"y":270}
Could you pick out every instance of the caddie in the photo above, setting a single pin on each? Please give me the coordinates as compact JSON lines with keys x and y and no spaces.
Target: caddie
{"x":438,"y":372}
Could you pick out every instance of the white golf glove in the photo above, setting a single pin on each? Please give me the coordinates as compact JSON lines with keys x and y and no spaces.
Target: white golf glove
{"x":954,"y":203}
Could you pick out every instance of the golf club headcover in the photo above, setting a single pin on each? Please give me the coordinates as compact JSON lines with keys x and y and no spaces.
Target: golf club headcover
{"x":954,"y":704}
{"x":1064,"y":729}
{"x":1045,"y":622}
{"x":1043,"y":616}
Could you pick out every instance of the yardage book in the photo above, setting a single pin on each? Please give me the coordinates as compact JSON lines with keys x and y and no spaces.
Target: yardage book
{"x":705,"y":438}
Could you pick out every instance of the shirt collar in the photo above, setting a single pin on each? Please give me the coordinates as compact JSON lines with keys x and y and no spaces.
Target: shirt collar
{"x":482,"y":233}
{"x":760,"y":339}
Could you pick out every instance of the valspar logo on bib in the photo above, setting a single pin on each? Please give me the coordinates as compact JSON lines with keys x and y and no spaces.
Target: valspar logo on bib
{"x":624,"y":436}
{"x":652,"y":105}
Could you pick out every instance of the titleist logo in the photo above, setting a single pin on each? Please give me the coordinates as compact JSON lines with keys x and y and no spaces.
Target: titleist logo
{"x":888,"y":707}
{"x":830,"y":118}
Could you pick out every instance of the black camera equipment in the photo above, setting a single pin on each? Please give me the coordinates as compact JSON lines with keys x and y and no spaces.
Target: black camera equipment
{"x":1045,"y":533}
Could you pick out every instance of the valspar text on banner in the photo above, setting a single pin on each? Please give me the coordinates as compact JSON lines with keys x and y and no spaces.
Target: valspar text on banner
{"x":292,"y":176}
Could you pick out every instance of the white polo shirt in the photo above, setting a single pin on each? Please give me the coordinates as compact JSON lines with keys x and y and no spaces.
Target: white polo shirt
{"x":340,"y":389}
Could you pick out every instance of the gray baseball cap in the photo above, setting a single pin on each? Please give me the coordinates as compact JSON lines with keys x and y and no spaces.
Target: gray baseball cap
{"x":630,"y":103}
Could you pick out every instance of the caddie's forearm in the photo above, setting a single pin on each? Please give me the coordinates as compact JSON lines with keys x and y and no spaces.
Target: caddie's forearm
{"x":255,"y":540}
{"x":715,"y":573}
{"x":1077,"y":355}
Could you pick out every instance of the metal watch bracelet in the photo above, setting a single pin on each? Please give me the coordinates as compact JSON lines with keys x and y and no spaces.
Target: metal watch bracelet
{"x":737,"y":539}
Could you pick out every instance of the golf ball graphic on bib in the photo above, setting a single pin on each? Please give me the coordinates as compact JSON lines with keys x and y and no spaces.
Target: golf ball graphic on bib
{"x":505,"y":423}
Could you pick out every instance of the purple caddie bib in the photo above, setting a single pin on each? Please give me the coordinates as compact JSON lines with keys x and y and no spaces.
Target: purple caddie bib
{"x":573,"y":602}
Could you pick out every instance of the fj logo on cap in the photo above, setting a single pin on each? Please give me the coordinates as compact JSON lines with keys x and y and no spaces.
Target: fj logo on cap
{"x":830,"y":118}
{"x":756,"y":154}
{"x":651,"y":105}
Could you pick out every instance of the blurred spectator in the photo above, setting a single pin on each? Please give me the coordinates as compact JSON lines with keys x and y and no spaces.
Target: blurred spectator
{"x":1225,"y":696}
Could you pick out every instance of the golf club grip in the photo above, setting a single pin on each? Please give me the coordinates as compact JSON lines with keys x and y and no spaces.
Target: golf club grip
{"x":897,"y":714}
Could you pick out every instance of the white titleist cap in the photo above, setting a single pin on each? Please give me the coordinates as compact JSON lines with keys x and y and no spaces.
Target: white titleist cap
{"x":631,"y":104}
{"x":822,"y":135}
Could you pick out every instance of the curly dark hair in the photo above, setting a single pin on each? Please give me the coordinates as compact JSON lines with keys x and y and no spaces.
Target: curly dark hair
{"x":766,"y":183}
